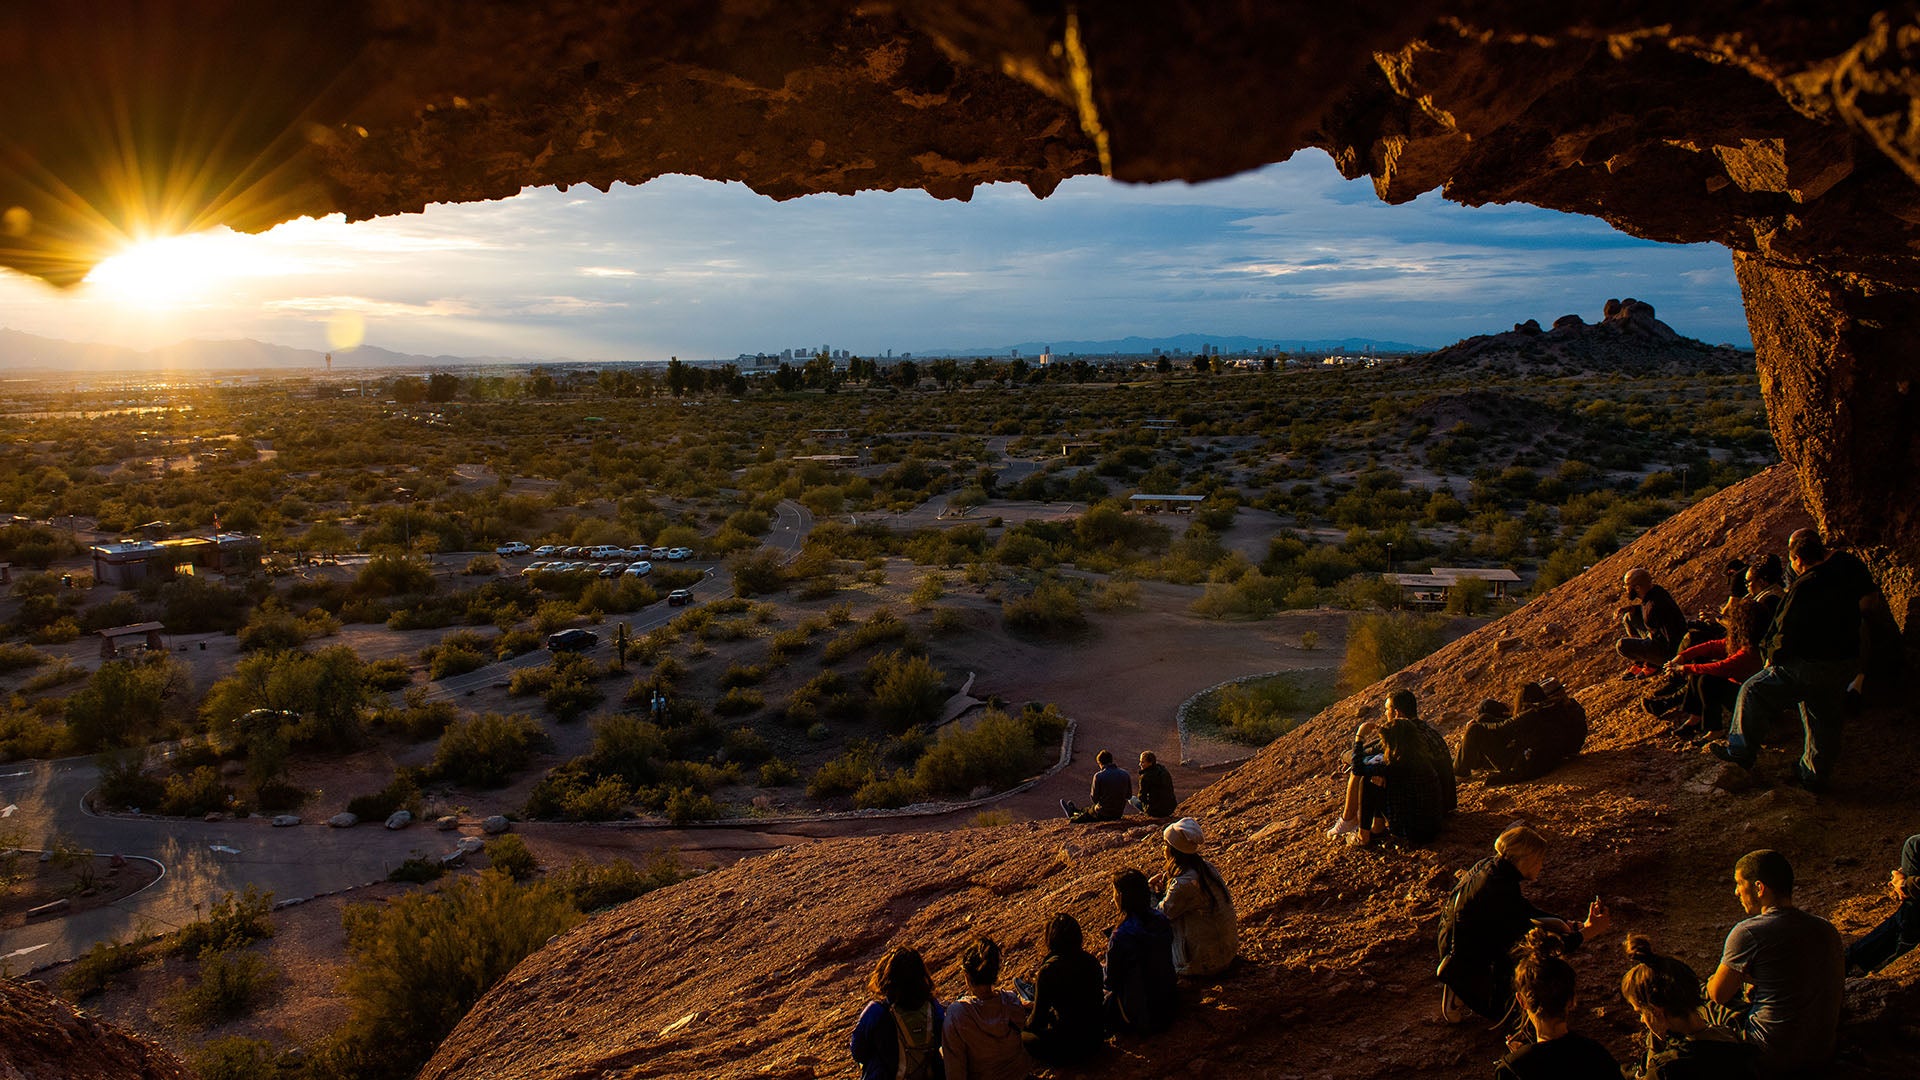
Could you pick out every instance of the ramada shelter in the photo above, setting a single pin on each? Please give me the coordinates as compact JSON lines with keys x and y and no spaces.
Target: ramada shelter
{"x":1430,"y":589}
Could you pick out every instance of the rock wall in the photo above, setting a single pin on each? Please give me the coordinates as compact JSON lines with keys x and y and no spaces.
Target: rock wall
{"x":1786,"y":132}
{"x":44,"y":1038}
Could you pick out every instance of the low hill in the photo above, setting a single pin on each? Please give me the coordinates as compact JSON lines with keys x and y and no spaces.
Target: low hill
{"x":45,"y":1038}
{"x":1628,"y":340}
{"x":758,"y":969}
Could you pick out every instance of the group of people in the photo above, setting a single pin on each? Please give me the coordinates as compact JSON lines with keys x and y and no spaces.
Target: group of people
{"x":1112,"y":795}
{"x":1178,"y":923}
{"x":1806,"y":636}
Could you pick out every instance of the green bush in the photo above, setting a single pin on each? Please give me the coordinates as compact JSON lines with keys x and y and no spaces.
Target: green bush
{"x":999,"y":751}
{"x":1379,"y":645}
{"x":122,"y":703}
{"x":197,"y":793}
{"x":1051,"y":611}
{"x":234,"y":921}
{"x":417,"y":718}
{"x":96,"y":968}
{"x":510,"y":855}
{"x":855,"y":768}
{"x":388,"y":675}
{"x":229,"y":985}
{"x":686,"y":804}
{"x":401,"y":793}
{"x":393,"y":575}
{"x":17,"y":657}
{"x":235,"y":1057}
{"x":908,"y":691}
{"x":739,"y":701}
{"x":23,"y":734}
{"x":486,"y":750}
{"x":778,"y":773}
{"x":898,"y":788}
{"x":591,"y":886}
{"x":417,"y":870}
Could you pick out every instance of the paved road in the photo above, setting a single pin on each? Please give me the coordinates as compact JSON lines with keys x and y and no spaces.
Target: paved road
{"x":203,"y":860}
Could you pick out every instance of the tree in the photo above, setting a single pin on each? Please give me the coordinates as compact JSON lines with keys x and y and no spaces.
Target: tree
{"x":676,"y":377}
{"x":442,"y":385}
{"x":540,"y":383}
{"x":121,"y":703}
{"x":906,"y":374}
{"x":1379,"y":645}
{"x":785,"y":378}
{"x":1162,"y":364}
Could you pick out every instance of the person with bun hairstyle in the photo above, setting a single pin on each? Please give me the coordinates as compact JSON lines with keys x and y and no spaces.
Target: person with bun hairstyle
{"x":1543,"y":983}
{"x":898,"y":1034}
{"x":1194,"y":898}
{"x":1681,"y":1043}
{"x":1066,"y":1027}
{"x":982,"y":1037}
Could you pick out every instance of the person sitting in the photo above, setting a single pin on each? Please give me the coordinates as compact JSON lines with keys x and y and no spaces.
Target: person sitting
{"x":1544,"y":986}
{"x":1714,"y":670}
{"x":1791,"y":965}
{"x":1486,"y":916}
{"x":1139,"y":979}
{"x":1900,"y":931}
{"x":1767,"y":586}
{"x":1653,"y":622}
{"x":981,"y":1039}
{"x":1547,"y":728}
{"x":1066,"y":1026}
{"x":1681,"y":1043}
{"x":1156,"y":787}
{"x":1390,"y":778}
{"x":1112,"y":787}
{"x":898,"y":1033}
{"x":1433,"y":745}
{"x":1194,"y":899}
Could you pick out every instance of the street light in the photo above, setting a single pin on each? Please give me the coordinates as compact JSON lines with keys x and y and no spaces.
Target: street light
{"x":1389,"y":558}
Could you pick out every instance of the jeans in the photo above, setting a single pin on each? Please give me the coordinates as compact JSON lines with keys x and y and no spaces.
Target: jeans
{"x":1887,"y":942}
{"x":1818,"y":688}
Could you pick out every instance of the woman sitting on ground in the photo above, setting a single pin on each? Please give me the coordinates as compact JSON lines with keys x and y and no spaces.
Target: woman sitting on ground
{"x":1543,"y":983}
{"x":1195,"y":900}
{"x":1398,"y":783}
{"x":1139,"y":978}
{"x":1900,"y":931}
{"x":1714,"y":671}
{"x":1066,"y":1027}
{"x":1681,"y":1044}
{"x":898,"y":1034}
{"x":981,"y":1039}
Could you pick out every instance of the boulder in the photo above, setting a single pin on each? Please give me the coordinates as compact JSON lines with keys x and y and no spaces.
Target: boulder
{"x":446,"y":823}
{"x":467,"y":845}
{"x":344,"y":820}
{"x":399,"y":819}
{"x":286,"y":821}
{"x":495,"y":824}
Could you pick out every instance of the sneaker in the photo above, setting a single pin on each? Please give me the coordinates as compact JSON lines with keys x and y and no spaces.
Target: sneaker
{"x":1343,"y":827}
{"x":1067,"y":807}
{"x":1726,"y":753}
{"x":1356,"y":838}
{"x":1452,"y":1009}
{"x":1638,"y":671}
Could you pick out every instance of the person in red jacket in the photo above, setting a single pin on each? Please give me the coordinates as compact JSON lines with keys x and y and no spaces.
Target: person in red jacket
{"x":1714,"y":671}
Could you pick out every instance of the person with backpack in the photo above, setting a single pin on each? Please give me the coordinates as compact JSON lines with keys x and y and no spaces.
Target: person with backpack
{"x":898,"y":1034}
{"x":981,"y":1039}
{"x":1139,"y":978}
{"x":1065,"y":1027}
{"x":1547,"y":727}
{"x":1206,"y":934}
{"x":1682,"y":1044}
{"x":1545,"y":988}
{"x":1486,"y":917}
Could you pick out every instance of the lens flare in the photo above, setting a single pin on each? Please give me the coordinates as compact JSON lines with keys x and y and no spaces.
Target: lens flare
{"x":346,"y":330}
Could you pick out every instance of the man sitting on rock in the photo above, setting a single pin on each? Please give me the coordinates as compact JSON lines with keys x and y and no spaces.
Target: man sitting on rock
{"x":1791,"y":966}
{"x":1156,"y":786}
{"x":1112,"y":787}
{"x":1547,"y":728}
{"x":1653,"y":621}
{"x":1900,"y":931}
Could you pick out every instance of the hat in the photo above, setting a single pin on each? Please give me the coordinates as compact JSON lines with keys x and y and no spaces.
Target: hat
{"x":1184,"y":836}
{"x":1532,"y":694}
{"x":1909,"y":855}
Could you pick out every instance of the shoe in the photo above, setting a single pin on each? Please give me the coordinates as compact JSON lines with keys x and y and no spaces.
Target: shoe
{"x":1689,"y":730}
{"x":1811,"y":784}
{"x":1343,"y":827}
{"x":1639,"y":671}
{"x":1726,"y":753}
{"x":1452,"y":1009}
{"x":1067,"y":807}
{"x":1657,"y":707}
{"x":1357,"y":838}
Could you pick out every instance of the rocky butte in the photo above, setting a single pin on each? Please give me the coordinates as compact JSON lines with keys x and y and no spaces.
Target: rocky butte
{"x":1788,"y":133}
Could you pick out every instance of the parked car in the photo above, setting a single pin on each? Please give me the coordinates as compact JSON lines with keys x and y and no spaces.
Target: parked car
{"x":679,"y":598}
{"x":639,"y":569}
{"x":678,"y":554}
{"x":533,"y":568}
{"x":545,"y":551}
{"x":574,"y":551}
{"x":574,"y":640}
{"x":612,"y":569}
{"x":513,"y":547}
{"x":640,"y":552}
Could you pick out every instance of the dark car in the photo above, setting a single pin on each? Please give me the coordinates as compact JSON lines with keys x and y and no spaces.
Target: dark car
{"x":574,"y":640}
{"x":679,"y":598}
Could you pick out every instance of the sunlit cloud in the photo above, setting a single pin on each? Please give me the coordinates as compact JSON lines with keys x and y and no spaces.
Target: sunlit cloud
{"x":608,"y":272}
{"x":370,"y":307}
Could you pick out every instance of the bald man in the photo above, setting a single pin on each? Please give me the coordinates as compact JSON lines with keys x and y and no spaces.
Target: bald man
{"x":1654,"y":623}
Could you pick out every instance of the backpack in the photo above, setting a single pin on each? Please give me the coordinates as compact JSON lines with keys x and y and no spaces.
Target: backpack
{"x":1450,"y":911}
{"x":919,"y":1041}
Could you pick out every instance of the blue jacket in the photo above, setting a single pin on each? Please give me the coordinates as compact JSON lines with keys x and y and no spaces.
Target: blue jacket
{"x":876,"y":1041}
{"x":1140,"y":976}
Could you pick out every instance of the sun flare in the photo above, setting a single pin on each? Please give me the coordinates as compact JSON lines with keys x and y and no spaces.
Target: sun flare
{"x":169,"y":271}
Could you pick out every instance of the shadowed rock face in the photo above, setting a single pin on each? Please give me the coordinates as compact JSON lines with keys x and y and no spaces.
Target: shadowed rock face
{"x":1785,"y":132}
{"x":45,"y":1038}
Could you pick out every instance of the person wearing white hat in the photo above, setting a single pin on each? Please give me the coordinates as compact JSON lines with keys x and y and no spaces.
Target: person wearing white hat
{"x":1194,"y":898}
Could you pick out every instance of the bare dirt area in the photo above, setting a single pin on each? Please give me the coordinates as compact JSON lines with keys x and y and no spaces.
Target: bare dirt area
{"x":85,"y":882}
{"x":768,"y":956}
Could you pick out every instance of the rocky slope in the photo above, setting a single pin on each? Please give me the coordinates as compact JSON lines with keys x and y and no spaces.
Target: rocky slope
{"x":1628,"y":340}
{"x":757,"y":970}
{"x":44,"y":1038}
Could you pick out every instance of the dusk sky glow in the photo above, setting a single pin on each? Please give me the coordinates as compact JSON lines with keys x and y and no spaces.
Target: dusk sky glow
{"x":688,"y":267}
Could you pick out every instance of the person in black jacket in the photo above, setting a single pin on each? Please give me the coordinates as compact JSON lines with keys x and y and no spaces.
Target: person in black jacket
{"x":1486,"y":917}
{"x":1066,"y":1027}
{"x":1112,"y":787}
{"x":1156,"y":786}
{"x":1547,"y":728}
{"x":1653,"y":622}
{"x":1544,"y":986}
{"x":1140,"y":981}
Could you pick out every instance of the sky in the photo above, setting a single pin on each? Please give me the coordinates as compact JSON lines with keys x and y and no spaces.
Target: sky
{"x":702,"y":270}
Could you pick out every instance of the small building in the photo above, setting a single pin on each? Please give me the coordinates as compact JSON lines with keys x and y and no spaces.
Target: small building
{"x":1498,"y":577}
{"x":130,"y":563}
{"x":119,"y":640}
{"x":127,"y":564}
{"x":1183,"y":504}
{"x":1430,"y":590}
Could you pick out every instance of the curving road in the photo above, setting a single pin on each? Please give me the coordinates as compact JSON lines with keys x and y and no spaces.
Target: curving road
{"x":205,"y":860}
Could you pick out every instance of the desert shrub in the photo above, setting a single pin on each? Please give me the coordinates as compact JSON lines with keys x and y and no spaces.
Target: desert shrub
{"x":235,"y":920}
{"x":1252,"y":595}
{"x":998,"y":751}
{"x":457,"y":654}
{"x":594,"y":886}
{"x":741,"y":675}
{"x":401,"y":793}
{"x":417,"y":718}
{"x":929,"y":591}
{"x":235,"y":1057}
{"x":1051,"y":610}
{"x":856,"y":767}
{"x":121,"y":704}
{"x":515,"y":643}
{"x":762,"y":570}
{"x":510,"y":855}
{"x":392,"y":575}
{"x":739,"y":701}
{"x":229,"y":985}
{"x":59,"y":673}
{"x":1363,"y":592}
{"x":897,"y":788}
{"x":788,"y":642}
{"x":417,"y":963}
{"x":1310,"y":639}
{"x":23,"y":734}
{"x":58,"y":632}
{"x":554,"y":615}
{"x":990,"y":819}
{"x":17,"y":657}
{"x":272,"y":627}
{"x":388,"y":675}
{"x":881,"y":626}
{"x":946,"y":620}
{"x":199,"y":792}
{"x":907,"y":690}
{"x":1113,"y":596}
{"x":569,"y":796}
{"x":482,"y":566}
{"x":191,"y":605}
{"x":96,"y":968}
{"x":1256,"y":713}
{"x":486,"y":750}
{"x":1469,"y":596}
{"x":617,"y":594}
{"x":417,"y":870}
{"x":1380,"y":644}
{"x":686,"y":804}
{"x":776,"y":772}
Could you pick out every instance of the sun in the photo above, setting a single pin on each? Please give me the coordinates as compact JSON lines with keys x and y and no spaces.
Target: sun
{"x":167,"y":271}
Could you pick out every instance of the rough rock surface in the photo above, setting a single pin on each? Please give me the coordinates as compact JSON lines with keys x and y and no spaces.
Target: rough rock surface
{"x":1789,"y":133}
{"x":769,"y":957}
{"x":1629,"y":339}
{"x":44,"y":1038}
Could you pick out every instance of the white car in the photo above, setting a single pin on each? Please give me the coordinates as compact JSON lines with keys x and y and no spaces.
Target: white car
{"x":679,"y":554}
{"x":640,"y":552}
{"x":639,"y":569}
{"x":513,"y":548}
{"x":545,"y":550}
